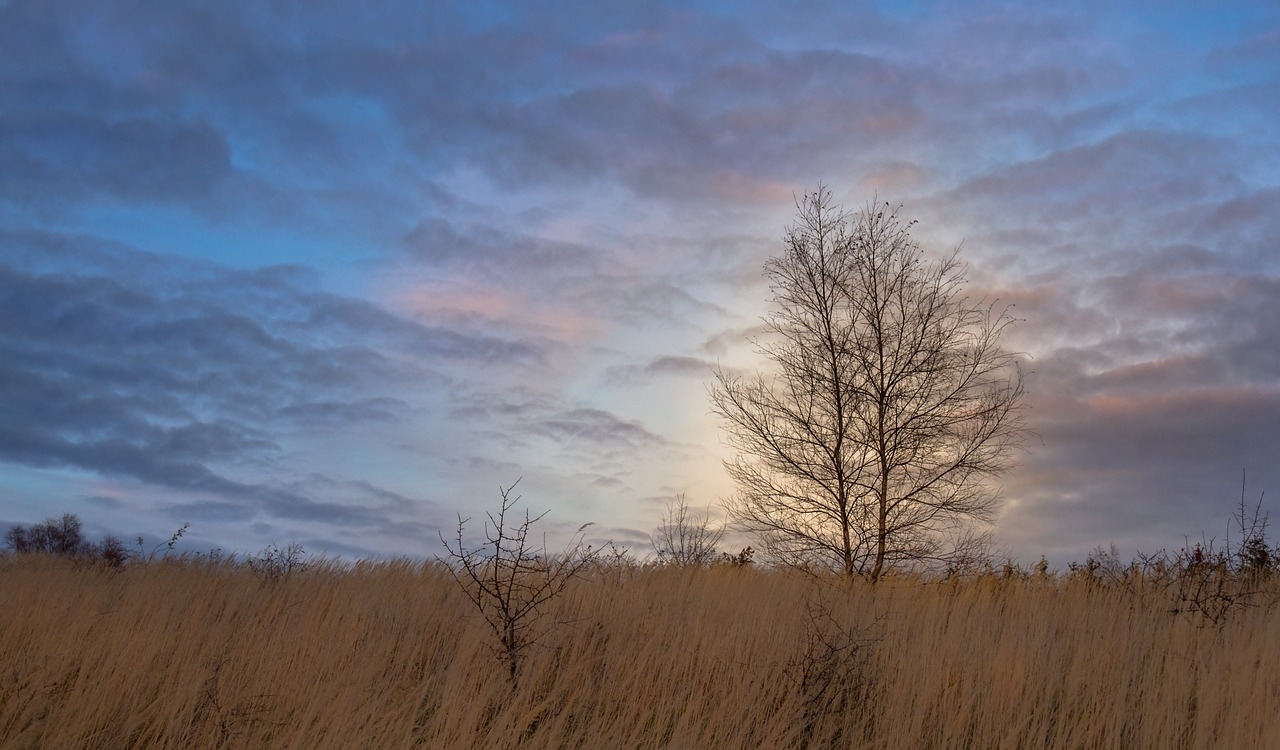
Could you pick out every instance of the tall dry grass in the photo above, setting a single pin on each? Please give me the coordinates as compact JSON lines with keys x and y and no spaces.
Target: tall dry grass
{"x":184,"y":654}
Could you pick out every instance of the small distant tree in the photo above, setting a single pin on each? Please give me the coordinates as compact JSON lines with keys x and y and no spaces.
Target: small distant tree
{"x":510,"y":579}
{"x":685,"y":538}
{"x":64,"y":536}
{"x":1253,"y":553}
{"x":56,"y":536}
{"x":112,"y":551}
{"x":891,"y":406}
{"x":276,"y":563}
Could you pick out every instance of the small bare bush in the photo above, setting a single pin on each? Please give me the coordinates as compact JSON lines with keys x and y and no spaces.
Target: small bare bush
{"x":511,"y":581}
{"x":685,"y":538}
{"x":274,"y":563}
{"x":832,"y":671}
{"x":1206,"y":582}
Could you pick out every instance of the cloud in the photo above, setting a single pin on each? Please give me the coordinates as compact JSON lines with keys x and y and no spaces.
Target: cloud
{"x":1109,"y":184}
{"x":486,"y":250}
{"x":56,"y":157}
{"x":769,"y":117}
{"x":1146,"y":420}
{"x":334,"y":413}
{"x":667,"y":365}
{"x":1134,"y":469}
{"x":197,"y":378}
{"x":524,"y":413}
{"x":560,"y":293}
{"x":593,"y":426}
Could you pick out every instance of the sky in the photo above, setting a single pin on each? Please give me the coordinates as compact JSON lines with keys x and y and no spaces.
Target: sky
{"x":333,"y":273}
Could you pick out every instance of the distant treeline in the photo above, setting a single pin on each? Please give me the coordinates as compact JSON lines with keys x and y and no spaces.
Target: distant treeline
{"x":64,"y":536}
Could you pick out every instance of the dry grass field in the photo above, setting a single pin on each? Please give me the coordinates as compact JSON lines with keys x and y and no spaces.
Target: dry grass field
{"x":181,"y":653}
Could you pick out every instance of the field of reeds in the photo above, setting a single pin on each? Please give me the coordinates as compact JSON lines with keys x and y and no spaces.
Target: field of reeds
{"x":196,"y":653}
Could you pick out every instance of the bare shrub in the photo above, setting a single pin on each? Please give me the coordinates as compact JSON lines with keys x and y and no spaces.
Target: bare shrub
{"x":684,"y":537}
{"x":1205,"y":581}
{"x":1209,"y":583}
{"x":832,"y":671}
{"x":511,"y":581}
{"x":111,"y":552}
{"x":615,"y":563}
{"x":274,"y":563}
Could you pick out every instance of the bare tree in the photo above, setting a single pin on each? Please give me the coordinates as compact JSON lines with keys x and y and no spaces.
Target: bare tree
{"x":891,"y":406}
{"x":684,"y":537}
{"x":58,"y":536}
{"x":510,"y":580}
{"x":65,"y":536}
